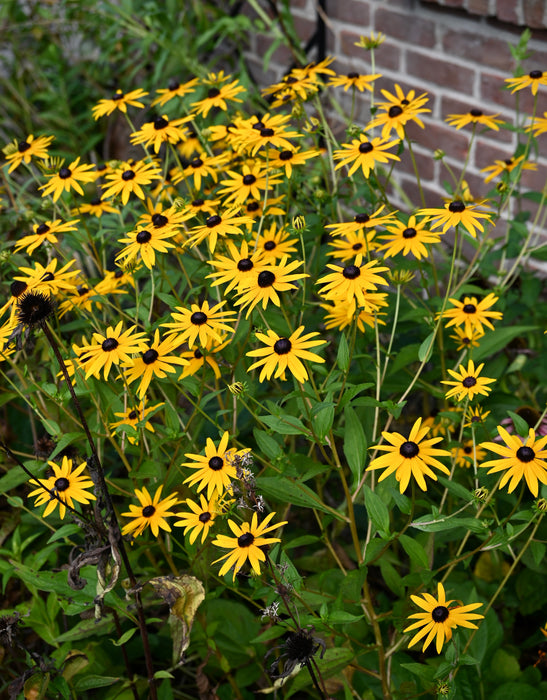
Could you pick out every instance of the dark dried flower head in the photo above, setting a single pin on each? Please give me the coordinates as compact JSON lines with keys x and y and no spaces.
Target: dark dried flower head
{"x":34,"y":308}
{"x":297,"y":649}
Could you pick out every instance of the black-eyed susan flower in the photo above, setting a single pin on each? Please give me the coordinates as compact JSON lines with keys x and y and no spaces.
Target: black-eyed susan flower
{"x":224,"y":224}
{"x":467,"y":454}
{"x":113,"y":281}
{"x":118,"y":101}
{"x":466,"y":340}
{"x":161,"y":130}
{"x":292,"y":87}
{"x":238,"y":269}
{"x":539,"y":125}
{"x":474,"y":116}
{"x":215,"y":469}
{"x":343,"y":314}
{"x":68,"y":178}
{"x":162,"y":217}
{"x":288,"y":158}
{"x":346,"y":248}
{"x":199,"y":323}
{"x":200,"y":520}
{"x":439,"y":619}
{"x":201,"y":205}
{"x":247,"y":544}
{"x":364,"y":153}
{"x":362,"y":220}
{"x":398,"y":110}
{"x":135,"y":417}
{"x":410,"y":457}
{"x":518,"y":459}
{"x":156,"y":360}
{"x":471,"y":313}
{"x":409,"y":238}
{"x":24,"y":151}
{"x":285,"y":353}
{"x":69,"y":484}
{"x":455,"y":213}
{"x":151,"y":512}
{"x":144,"y":243}
{"x":533,"y":80}
{"x":354,"y":80}
{"x":507,"y":166}
{"x":49,"y":279}
{"x":468,"y":383}
{"x":128,"y":178}
{"x":350,"y":282}
{"x":475,"y":416}
{"x":268,"y":282}
{"x":174,"y":89}
{"x":250,"y":182}
{"x":218,"y":95}
{"x":273,"y":244}
{"x":46,"y":231}
{"x":199,"y":357}
{"x":96,"y":207}
{"x":83,"y":298}
{"x":269,"y":130}
{"x":113,"y":347}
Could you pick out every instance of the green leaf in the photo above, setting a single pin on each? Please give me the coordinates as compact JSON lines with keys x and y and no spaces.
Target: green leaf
{"x":267,"y":444}
{"x":355,"y":443}
{"x":377,"y":511}
{"x":333,"y":661}
{"x":284,"y":490}
{"x":496,"y":340}
{"x":341,"y":617}
{"x":428,"y":524}
{"x":426,"y":348}
{"x":415,"y":551}
{"x":521,"y":426}
{"x":342,"y":357}
{"x":89,"y":682}
{"x":391,"y":578}
{"x":322,"y":418}
{"x":126,"y":636}
{"x":64,"y":531}
{"x":516,"y":691}
{"x":289,"y":425}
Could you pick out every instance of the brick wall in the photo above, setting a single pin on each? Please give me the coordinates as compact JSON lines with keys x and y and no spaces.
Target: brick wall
{"x":456,"y":50}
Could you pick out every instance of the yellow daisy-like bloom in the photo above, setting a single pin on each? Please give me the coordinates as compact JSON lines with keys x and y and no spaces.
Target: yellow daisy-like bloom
{"x":267,"y":282}
{"x":364,"y":154}
{"x":174,"y":89}
{"x":215,"y":469}
{"x":152,"y":513}
{"x":45,"y":232}
{"x":474,"y":116}
{"x":199,"y":323}
{"x":217,"y":225}
{"x":200,"y":167}
{"x":96,"y":207}
{"x":132,"y":417}
{"x":475,"y":415}
{"x":119,"y":101}
{"x":128,"y":178}
{"x":465,"y":340}
{"x":507,"y":166}
{"x":113,"y":280}
{"x":112,"y":348}
{"x":23,"y":151}
{"x":409,"y":238}
{"x":456,"y":212}
{"x":533,"y":80}
{"x":198,"y":357}
{"x":343,"y":314}
{"x":399,"y":110}
{"x":518,"y":459}
{"x":247,"y":543}
{"x":290,"y":157}
{"x":539,"y":125}
{"x":468,"y":383}
{"x":349,"y":283}
{"x":361,"y":221}
{"x":251,"y":182}
{"x":273,"y":245}
{"x":351,"y":244}
{"x":83,"y":298}
{"x":200,"y":205}
{"x":48,"y":279}
{"x":268,"y":130}
{"x":155,"y":361}
{"x":472,"y":314}
{"x":69,"y":484}
{"x":161,"y":130}
{"x":410,"y":457}
{"x":281,"y":354}
{"x":200,"y":520}
{"x":239,"y":270}
{"x":467,"y":454}
{"x":439,"y":619}
{"x":217,"y":96}
{"x":144,"y":243}
{"x":68,"y":178}
{"x":354,"y":80}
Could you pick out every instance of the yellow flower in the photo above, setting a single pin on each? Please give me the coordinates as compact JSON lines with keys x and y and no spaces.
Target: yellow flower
{"x":354,"y":80}
{"x":152,"y":513}
{"x":119,"y":100}
{"x":267,"y":282}
{"x":361,"y":221}
{"x":217,"y":96}
{"x":23,"y":151}
{"x":343,"y":314}
{"x":200,"y":520}
{"x":349,"y":283}
{"x":114,"y":347}
{"x":468,"y":383}
{"x":456,"y":212}
{"x":251,"y":182}
{"x":439,"y":619}
{"x":409,"y":238}
{"x":472,"y":314}
{"x":144,"y":243}
{"x":217,"y":225}
{"x":132,"y":417}
{"x":467,"y":454}
{"x":174,"y":89}
{"x":161,"y":130}
{"x":45,"y":232}
{"x":409,"y":457}
{"x":128,"y":178}
{"x":215,"y":469}
{"x":67,"y":179}
{"x":507,"y":166}
{"x":533,"y":80}
{"x":364,"y":154}
{"x":69,"y":485}
{"x":474,"y":116}
{"x":199,"y":323}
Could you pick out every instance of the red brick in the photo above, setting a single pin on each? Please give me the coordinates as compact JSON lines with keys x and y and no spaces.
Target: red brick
{"x":452,"y":106}
{"x":409,"y":27}
{"x":486,"y":154}
{"x":424,"y":163}
{"x":476,"y":47}
{"x":387,"y":56}
{"x":534,"y":13}
{"x":440,"y":72}
{"x":492,"y":90}
{"x":507,"y":11}
{"x":432,"y":195}
{"x":478,"y":7}
{"x":435,"y":136}
{"x":355,"y":11}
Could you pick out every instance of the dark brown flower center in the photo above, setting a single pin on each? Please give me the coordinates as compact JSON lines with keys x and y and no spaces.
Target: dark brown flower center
{"x":118,"y":95}
{"x":536,"y":74}
{"x":249,"y":179}
{"x":198,"y":202}
{"x":525,"y":454}
{"x":198,"y":354}
{"x":43,"y":228}
{"x":198,"y":318}
{"x":475,"y":113}
{"x":159,"y":220}
{"x":128,"y":175}
{"x":48,"y":277}
{"x":469,"y":309}
{"x":266,"y":132}
{"x":357,"y":246}
{"x":109,"y":344}
{"x":213,"y":221}
{"x":366,"y":147}
{"x":253,"y":206}
{"x":286,"y":155}
{"x":150,"y":356}
{"x":440,"y":613}
{"x":213,"y":92}
{"x":196,"y":163}
{"x":143,"y":236}
{"x":245,"y":265}
{"x":395,"y":111}
{"x":259,"y":125}
{"x":148,"y":511}
{"x":456,"y":207}
{"x":65,"y":173}
{"x":351,"y":272}
{"x":61,"y":484}
{"x":23,"y":146}
{"x":409,"y":449}
{"x":353,"y":75}
{"x":409,"y":233}
{"x":173,"y":84}
{"x":160,"y":123}
{"x":361,"y":218}
{"x":468,"y":450}
{"x":216,"y":463}
{"x":246,"y":539}
{"x":17,"y":288}
{"x":204,"y":517}
{"x":265,"y":279}
{"x":282,"y":346}
{"x":133,"y":415}
{"x":468,"y":382}
{"x":269,"y":245}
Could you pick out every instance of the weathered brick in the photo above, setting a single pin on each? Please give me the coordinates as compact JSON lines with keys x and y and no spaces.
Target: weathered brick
{"x":435,"y":136}
{"x":534,"y":13}
{"x":432,"y":195}
{"x":408,"y":27}
{"x":440,"y":72}
{"x":475,"y":46}
{"x":508,"y":11}
{"x":357,"y":12}
{"x":478,"y":7}
{"x":486,"y":154}
{"x":424,"y":163}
